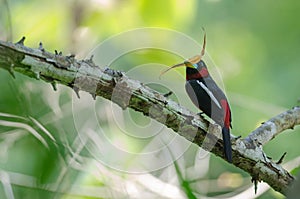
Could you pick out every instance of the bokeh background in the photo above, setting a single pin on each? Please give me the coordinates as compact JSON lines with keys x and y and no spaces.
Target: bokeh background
{"x":254,"y":46}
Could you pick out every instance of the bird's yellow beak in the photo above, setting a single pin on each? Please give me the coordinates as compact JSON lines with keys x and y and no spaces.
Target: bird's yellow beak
{"x":190,"y":63}
{"x":174,"y":66}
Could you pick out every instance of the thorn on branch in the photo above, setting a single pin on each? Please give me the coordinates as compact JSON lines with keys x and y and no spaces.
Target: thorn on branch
{"x":270,"y":158}
{"x":11,"y":71}
{"x":57,"y":53}
{"x":257,"y":142}
{"x":235,"y":138}
{"x":255,"y":180}
{"x":37,"y":75}
{"x":41,"y":48}
{"x":76,"y":89}
{"x":54,"y":85}
{"x":281,"y":159}
{"x":21,"y":41}
{"x":265,"y":158}
{"x":91,"y":59}
{"x":94,"y":96}
{"x":72,"y":56}
{"x":168,"y":94}
{"x":112,"y":72}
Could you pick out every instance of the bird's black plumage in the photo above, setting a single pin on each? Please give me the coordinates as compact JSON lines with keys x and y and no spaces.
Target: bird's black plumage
{"x":208,"y":97}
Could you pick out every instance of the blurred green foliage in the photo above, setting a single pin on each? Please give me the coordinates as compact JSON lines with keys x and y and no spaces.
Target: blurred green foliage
{"x":254,"y":45}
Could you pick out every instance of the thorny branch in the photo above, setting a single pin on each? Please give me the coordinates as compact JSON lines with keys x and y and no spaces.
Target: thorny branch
{"x":84,"y":75}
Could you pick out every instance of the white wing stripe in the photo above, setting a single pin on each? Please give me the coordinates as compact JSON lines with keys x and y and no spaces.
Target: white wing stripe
{"x":211,"y":95}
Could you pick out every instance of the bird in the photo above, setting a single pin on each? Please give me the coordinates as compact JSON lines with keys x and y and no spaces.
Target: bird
{"x":207,"y":96}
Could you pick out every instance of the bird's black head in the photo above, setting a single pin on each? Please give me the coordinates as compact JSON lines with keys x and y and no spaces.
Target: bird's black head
{"x":195,"y":70}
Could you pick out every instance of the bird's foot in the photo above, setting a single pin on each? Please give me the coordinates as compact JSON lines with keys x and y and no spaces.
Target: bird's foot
{"x":235,"y":138}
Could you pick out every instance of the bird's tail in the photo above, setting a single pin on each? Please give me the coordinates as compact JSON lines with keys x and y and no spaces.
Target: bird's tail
{"x":227,"y":144}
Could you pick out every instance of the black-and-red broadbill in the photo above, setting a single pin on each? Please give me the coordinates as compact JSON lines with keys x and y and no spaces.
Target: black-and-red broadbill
{"x":207,"y":96}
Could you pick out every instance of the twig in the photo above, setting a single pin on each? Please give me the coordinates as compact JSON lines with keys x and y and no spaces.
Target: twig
{"x":271,"y":128}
